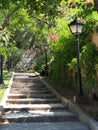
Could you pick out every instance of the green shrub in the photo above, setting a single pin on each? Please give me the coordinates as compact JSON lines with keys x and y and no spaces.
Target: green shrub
{"x":15,"y":56}
{"x":89,"y":57}
{"x":64,"y":67}
{"x":40,"y":64}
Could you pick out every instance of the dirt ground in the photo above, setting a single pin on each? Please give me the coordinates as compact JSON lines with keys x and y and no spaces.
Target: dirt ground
{"x":91,"y":108}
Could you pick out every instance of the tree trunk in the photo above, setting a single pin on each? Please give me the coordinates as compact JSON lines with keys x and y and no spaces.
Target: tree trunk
{"x":96,"y":5}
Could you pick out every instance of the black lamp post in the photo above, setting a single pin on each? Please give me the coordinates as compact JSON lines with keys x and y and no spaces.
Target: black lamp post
{"x":76,"y":29}
{"x":1,"y":63}
{"x":46,"y":45}
{"x":1,"y":70}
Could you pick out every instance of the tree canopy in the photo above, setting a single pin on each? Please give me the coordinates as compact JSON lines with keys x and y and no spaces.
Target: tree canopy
{"x":31,"y":23}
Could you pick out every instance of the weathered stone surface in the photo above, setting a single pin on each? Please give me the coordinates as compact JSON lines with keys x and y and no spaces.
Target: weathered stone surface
{"x":44,"y":108}
{"x":44,"y":126}
{"x":28,"y":59}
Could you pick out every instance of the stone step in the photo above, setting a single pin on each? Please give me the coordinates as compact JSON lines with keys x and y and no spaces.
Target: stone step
{"x":32,"y":101}
{"x":27,"y":83}
{"x":17,"y":96}
{"x":44,"y":125}
{"x":34,"y":88}
{"x":23,"y":80}
{"x":28,"y":107}
{"x":31,"y":91}
{"x":28,"y":86}
{"x":26,"y":77}
{"x":39,"y":116}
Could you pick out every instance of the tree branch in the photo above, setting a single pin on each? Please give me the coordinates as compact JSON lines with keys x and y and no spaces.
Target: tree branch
{"x":7,"y":20}
{"x":45,"y":21}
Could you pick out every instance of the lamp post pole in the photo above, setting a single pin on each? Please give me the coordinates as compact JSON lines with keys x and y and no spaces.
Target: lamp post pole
{"x":1,"y":63}
{"x":1,"y":70}
{"x":46,"y":59}
{"x":79,"y":66}
{"x":46,"y":68}
{"x":76,"y":29}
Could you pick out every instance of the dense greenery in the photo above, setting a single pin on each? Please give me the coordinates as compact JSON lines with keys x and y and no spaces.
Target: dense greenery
{"x":63,"y":69}
{"x":30,"y":24}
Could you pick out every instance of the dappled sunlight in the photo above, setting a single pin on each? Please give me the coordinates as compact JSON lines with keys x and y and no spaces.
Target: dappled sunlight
{"x":4,"y":122}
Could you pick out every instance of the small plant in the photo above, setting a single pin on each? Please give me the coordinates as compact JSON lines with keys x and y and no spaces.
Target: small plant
{"x":6,"y":77}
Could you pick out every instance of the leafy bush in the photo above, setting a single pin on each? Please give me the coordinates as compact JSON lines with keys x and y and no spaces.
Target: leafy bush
{"x":89,"y":57}
{"x":64,"y":51}
{"x":64,"y":66}
{"x":14,"y":55}
{"x":41,"y":63}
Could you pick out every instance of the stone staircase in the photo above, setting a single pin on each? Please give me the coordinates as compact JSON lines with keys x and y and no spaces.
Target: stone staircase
{"x":30,"y":101}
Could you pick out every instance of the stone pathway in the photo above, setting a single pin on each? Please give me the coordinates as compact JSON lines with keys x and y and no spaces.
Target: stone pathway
{"x":31,"y":105}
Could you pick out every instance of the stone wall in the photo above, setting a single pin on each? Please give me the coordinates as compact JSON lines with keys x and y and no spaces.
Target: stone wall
{"x":29,"y":57}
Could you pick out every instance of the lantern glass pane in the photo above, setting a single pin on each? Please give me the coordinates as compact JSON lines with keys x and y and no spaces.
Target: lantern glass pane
{"x":76,"y":29}
{"x":79,"y":29}
{"x":73,"y":29}
{"x":46,"y":46}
